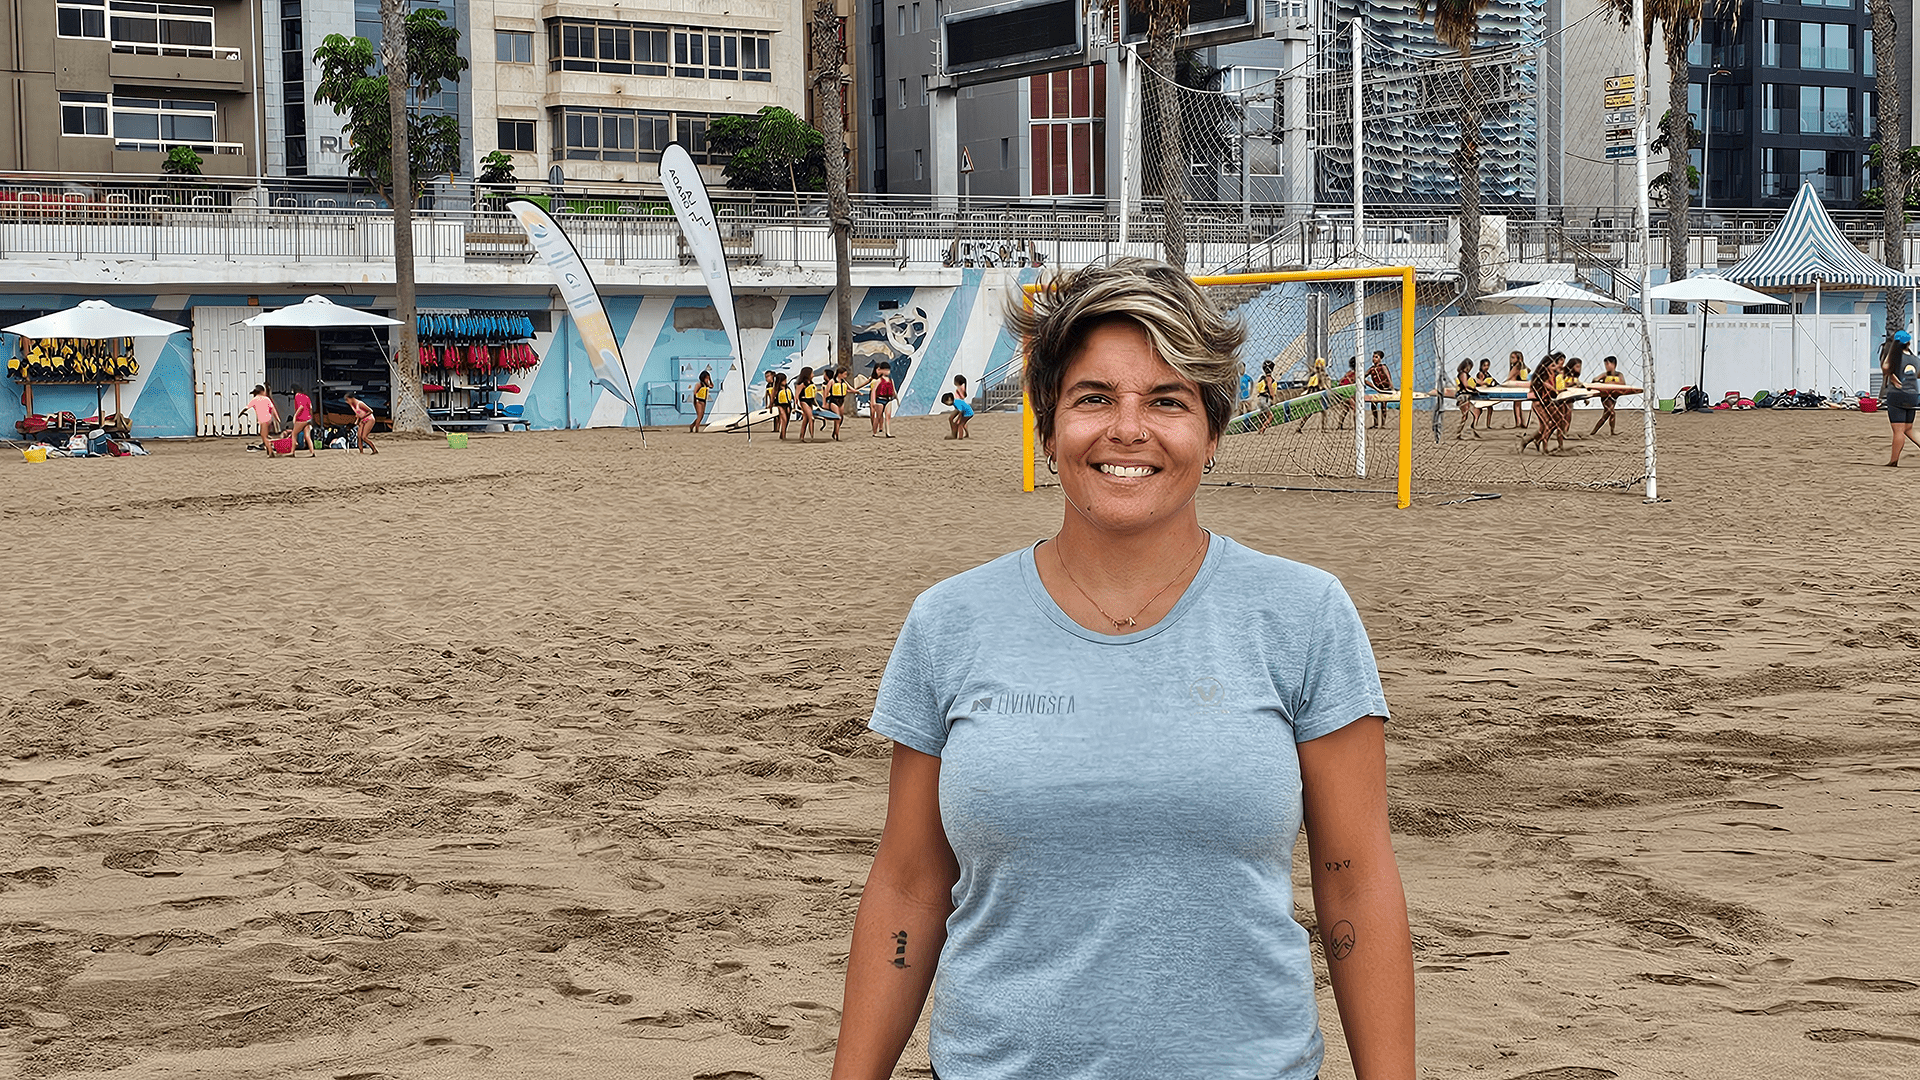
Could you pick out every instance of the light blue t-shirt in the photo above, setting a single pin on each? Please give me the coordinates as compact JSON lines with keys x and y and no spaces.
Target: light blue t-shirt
{"x":1124,"y":809}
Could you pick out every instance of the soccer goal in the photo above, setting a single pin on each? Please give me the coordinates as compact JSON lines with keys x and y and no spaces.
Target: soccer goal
{"x":1336,"y":419}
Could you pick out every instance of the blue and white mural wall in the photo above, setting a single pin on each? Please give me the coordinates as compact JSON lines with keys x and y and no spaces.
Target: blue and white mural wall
{"x":928,"y":333}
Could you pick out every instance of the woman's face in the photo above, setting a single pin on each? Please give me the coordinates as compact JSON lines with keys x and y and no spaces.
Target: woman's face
{"x":1129,"y":432}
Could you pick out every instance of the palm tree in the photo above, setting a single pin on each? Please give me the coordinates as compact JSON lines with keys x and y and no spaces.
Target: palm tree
{"x":1166,"y":21}
{"x":1679,"y":21}
{"x":1456,"y":23}
{"x":1891,"y":128}
{"x":830,"y":55}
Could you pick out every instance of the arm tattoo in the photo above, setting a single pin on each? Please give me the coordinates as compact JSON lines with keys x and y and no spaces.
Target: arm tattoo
{"x":900,"y":949}
{"x":1338,"y":940}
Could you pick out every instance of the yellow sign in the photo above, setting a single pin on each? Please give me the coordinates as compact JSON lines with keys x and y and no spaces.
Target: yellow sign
{"x":1617,"y":83}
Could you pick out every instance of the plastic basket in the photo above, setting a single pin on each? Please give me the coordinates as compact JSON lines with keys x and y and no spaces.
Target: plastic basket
{"x":456,"y":440}
{"x":1869,"y":404}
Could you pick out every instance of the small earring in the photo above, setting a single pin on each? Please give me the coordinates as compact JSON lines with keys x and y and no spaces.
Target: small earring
{"x":1050,"y":467}
{"x":1208,"y":467}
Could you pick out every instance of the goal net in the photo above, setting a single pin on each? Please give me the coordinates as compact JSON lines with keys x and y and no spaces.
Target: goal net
{"x":1335,"y":420}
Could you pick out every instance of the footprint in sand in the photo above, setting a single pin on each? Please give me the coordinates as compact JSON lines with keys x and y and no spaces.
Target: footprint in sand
{"x":1568,"y":1072}
{"x":1681,"y":980}
{"x":1871,"y":986}
{"x":1840,"y":1035}
{"x":1778,"y":1008}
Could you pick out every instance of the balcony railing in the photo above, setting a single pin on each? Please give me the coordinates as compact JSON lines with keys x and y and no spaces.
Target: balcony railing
{"x":164,"y":145}
{"x":204,"y":52}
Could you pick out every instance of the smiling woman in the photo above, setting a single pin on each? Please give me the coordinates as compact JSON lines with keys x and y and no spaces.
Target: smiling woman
{"x":1105,"y":747}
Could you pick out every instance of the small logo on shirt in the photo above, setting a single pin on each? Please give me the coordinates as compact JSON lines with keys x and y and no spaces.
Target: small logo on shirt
{"x":1206,"y":693}
{"x":1031,"y":704}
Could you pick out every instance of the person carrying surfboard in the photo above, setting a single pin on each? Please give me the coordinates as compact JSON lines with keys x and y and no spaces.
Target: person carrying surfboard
{"x":1318,"y":382}
{"x":1554,"y":414}
{"x":1105,"y":745}
{"x":1610,"y":377}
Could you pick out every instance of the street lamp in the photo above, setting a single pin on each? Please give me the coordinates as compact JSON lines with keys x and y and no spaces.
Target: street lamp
{"x":1706,"y":127}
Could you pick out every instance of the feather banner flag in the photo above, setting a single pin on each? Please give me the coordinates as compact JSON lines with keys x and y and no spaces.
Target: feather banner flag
{"x":694,"y":211}
{"x":582,"y":299}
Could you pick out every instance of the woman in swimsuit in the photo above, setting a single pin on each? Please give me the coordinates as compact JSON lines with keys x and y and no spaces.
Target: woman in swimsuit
{"x":1553,"y":414}
{"x":782,"y":403}
{"x":362,"y":424}
{"x":700,"y":392}
{"x":302,"y":420}
{"x":1463,"y":387}
{"x":267,"y":415}
{"x":882,"y":407}
{"x":804,"y":399}
{"x":837,"y":393}
{"x":1484,"y":379}
{"x":1517,"y":375}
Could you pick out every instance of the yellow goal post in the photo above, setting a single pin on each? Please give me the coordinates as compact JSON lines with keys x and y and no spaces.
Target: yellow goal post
{"x":1403,"y":274}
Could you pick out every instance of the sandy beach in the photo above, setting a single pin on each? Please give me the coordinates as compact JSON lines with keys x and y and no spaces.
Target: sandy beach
{"x":547,"y":757}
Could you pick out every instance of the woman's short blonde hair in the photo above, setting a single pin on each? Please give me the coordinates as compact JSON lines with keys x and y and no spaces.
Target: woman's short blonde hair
{"x":1184,"y":327}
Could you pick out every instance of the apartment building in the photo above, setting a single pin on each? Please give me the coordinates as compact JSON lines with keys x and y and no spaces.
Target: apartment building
{"x":1790,"y":95}
{"x":114,"y":85}
{"x":594,"y":92}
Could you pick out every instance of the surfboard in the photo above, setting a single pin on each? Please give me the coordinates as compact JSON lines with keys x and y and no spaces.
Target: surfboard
{"x":1394,"y":399}
{"x":1503,"y":392}
{"x":1285,"y":412}
{"x":1615,"y":389}
{"x":739,"y":423}
{"x":1573,"y":393}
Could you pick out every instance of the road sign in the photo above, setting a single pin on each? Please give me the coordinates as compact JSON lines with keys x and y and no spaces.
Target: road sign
{"x":1620,"y":91}
{"x":1624,"y":151}
{"x":966,"y":160}
{"x":1620,"y":136}
{"x":1623,"y":118}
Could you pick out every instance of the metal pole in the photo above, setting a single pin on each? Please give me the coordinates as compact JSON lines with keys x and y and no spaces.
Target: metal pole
{"x":1641,"y":78}
{"x":1131,"y":59}
{"x":1359,"y":284}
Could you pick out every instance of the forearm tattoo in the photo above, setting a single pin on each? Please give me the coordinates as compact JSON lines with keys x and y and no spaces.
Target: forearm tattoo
{"x":1338,"y":940}
{"x":900,"y":949}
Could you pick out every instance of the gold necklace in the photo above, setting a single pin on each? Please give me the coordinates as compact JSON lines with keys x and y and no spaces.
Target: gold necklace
{"x":1130,"y":620}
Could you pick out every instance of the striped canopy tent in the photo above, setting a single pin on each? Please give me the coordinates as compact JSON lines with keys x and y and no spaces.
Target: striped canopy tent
{"x":1807,"y":251}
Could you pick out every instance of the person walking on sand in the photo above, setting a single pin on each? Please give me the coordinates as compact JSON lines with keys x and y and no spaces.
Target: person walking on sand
{"x":1518,"y":375}
{"x":1463,"y":389}
{"x":782,"y":394}
{"x":1610,"y":377}
{"x":881,"y":401}
{"x":362,"y":424}
{"x":1900,"y":390}
{"x":1485,"y":380}
{"x":1379,"y":381}
{"x":302,"y":421}
{"x":1265,"y":390}
{"x":701,"y":391}
{"x":1317,"y":383}
{"x":839,"y":391}
{"x":266,"y":416}
{"x":804,"y":399}
{"x":1105,"y":746}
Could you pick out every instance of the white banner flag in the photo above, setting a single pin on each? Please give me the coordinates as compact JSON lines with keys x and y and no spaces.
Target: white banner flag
{"x":691,"y":207}
{"x":582,"y":298}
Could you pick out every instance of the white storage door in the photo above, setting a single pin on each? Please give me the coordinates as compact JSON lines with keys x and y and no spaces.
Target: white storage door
{"x":229,"y":360}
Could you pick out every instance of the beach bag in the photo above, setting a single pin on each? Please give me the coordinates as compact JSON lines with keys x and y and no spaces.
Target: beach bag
{"x":1696,"y":399}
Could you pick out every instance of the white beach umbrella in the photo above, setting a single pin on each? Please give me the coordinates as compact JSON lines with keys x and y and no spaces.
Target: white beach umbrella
{"x":1552,"y":293}
{"x":316,"y":311}
{"x":1704,"y":289}
{"x":95,"y":320}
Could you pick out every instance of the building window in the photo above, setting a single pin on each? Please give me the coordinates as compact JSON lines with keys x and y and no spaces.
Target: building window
{"x":903,"y":93}
{"x":83,"y":18}
{"x":516,"y":135}
{"x":1770,"y":43}
{"x":83,"y":114}
{"x":916,"y":18}
{"x":926,"y":84}
{"x":611,"y":48}
{"x":919,"y":165}
{"x":1824,"y":111}
{"x":142,"y":123}
{"x":1770,"y":108}
{"x":1866,"y":52}
{"x":1869,"y":123}
{"x":900,"y":23}
{"x":513,"y":46}
{"x":587,"y":134}
{"x":1826,"y":46}
{"x":1067,"y":131}
{"x":1006,"y":154}
{"x":162,"y":29}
